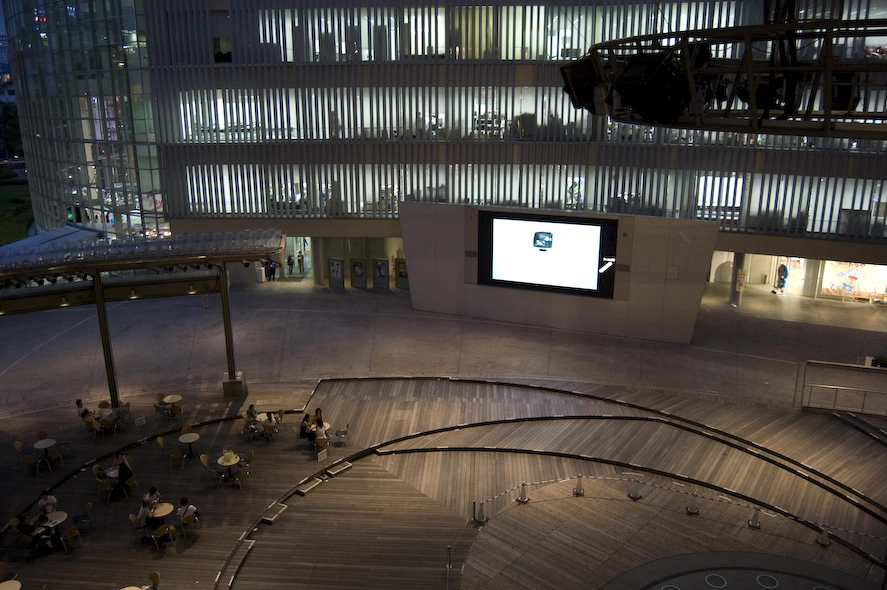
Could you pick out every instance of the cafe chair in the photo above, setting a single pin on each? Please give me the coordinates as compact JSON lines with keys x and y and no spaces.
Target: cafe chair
{"x":103,"y":486}
{"x":246,"y":459}
{"x":154,"y":577}
{"x":68,"y":535}
{"x":158,"y":397}
{"x":41,"y":434}
{"x":140,"y":529}
{"x":164,"y":533}
{"x":175,"y":412}
{"x":242,"y":473}
{"x":160,"y":411}
{"x":104,"y":405}
{"x":131,"y":484}
{"x":215,"y":472}
{"x":186,"y":522}
{"x":320,"y":445}
{"x":54,"y":454}
{"x":27,"y":543}
{"x":280,"y":416}
{"x":175,"y":455}
{"x":83,"y":519}
{"x":342,"y":433}
{"x":6,"y":574}
{"x":228,"y":448}
{"x":186,"y":429}
{"x":268,"y":431}
{"x":22,"y":452}
{"x":33,"y":462}
{"x":93,"y":426}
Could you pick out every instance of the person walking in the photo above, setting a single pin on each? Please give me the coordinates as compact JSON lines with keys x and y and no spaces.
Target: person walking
{"x":301,"y":260}
{"x":290,"y":262}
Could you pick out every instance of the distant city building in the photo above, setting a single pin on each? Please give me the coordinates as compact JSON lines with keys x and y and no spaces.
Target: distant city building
{"x":318,"y":118}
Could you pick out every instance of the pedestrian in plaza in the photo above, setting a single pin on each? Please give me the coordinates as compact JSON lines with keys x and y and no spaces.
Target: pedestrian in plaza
{"x":301,"y":260}
{"x":290,"y":262}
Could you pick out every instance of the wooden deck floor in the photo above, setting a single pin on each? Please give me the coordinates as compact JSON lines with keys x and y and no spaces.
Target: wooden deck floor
{"x":397,"y":520}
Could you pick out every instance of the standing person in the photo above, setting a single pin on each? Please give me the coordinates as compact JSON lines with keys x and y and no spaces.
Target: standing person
{"x":273,"y":266}
{"x":301,"y":260}
{"x":290,"y":262}
{"x":781,"y":277}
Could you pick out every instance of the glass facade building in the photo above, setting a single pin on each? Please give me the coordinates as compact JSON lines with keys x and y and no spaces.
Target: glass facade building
{"x":140,"y":116}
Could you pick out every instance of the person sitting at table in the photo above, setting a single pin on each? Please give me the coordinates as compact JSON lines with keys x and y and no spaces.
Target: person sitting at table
{"x":144,"y":515}
{"x":251,"y":414}
{"x":152,"y":497}
{"x":318,"y":416}
{"x":82,"y":410}
{"x":186,"y":509}
{"x":47,"y":503}
{"x":320,"y":431}
{"x":305,"y":430}
{"x":37,"y":530}
{"x":124,"y":469}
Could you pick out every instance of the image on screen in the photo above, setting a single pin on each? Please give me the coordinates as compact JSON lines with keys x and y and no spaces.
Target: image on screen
{"x":558,"y":253}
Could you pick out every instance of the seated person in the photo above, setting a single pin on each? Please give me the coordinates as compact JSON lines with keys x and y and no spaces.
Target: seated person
{"x":82,"y":411}
{"x":320,"y":432}
{"x":152,"y":497}
{"x":305,"y":430}
{"x":124,"y":469}
{"x":144,"y":515}
{"x":251,"y":414}
{"x":186,"y":509}
{"x":47,"y":503}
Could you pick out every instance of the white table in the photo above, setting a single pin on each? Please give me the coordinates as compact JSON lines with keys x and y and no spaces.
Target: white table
{"x":173,"y":398}
{"x":229,"y":462}
{"x":53,"y":519}
{"x":45,"y":444}
{"x":163,"y":509}
{"x":14,"y":585}
{"x":189,"y":438}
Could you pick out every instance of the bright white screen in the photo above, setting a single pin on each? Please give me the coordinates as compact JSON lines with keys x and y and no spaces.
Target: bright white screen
{"x":571,"y":261}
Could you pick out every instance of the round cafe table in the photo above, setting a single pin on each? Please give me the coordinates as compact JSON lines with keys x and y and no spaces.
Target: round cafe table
{"x":45,"y":444}
{"x":13,"y":585}
{"x":171,"y":399}
{"x":229,"y":462}
{"x":162,"y":510}
{"x":124,"y":588}
{"x":53,"y":519}
{"x":189,"y":438}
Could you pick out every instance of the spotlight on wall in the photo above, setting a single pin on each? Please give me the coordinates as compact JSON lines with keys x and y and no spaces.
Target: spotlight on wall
{"x":132,"y":294}
{"x":52,"y":280}
{"x":182,"y":267}
{"x":64,"y":302}
{"x":191,"y":290}
{"x":68,"y":278}
{"x":245,"y":263}
{"x":39,"y":281}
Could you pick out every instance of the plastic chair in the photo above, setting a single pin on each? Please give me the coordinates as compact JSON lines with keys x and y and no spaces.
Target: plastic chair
{"x":246,"y":459}
{"x":268,"y":431}
{"x":320,"y":445}
{"x":163,"y":533}
{"x":83,"y":519}
{"x":186,"y":429}
{"x":103,"y":405}
{"x":103,"y":486}
{"x":131,"y":483}
{"x":342,"y":433}
{"x":175,"y":412}
{"x":68,"y":536}
{"x":211,"y":470}
{"x":154,"y":577}
{"x":176,"y":455}
{"x":186,"y":522}
{"x":41,"y":434}
{"x":242,"y":473}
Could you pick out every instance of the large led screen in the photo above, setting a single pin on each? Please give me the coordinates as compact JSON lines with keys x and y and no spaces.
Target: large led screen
{"x":549,"y":252}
